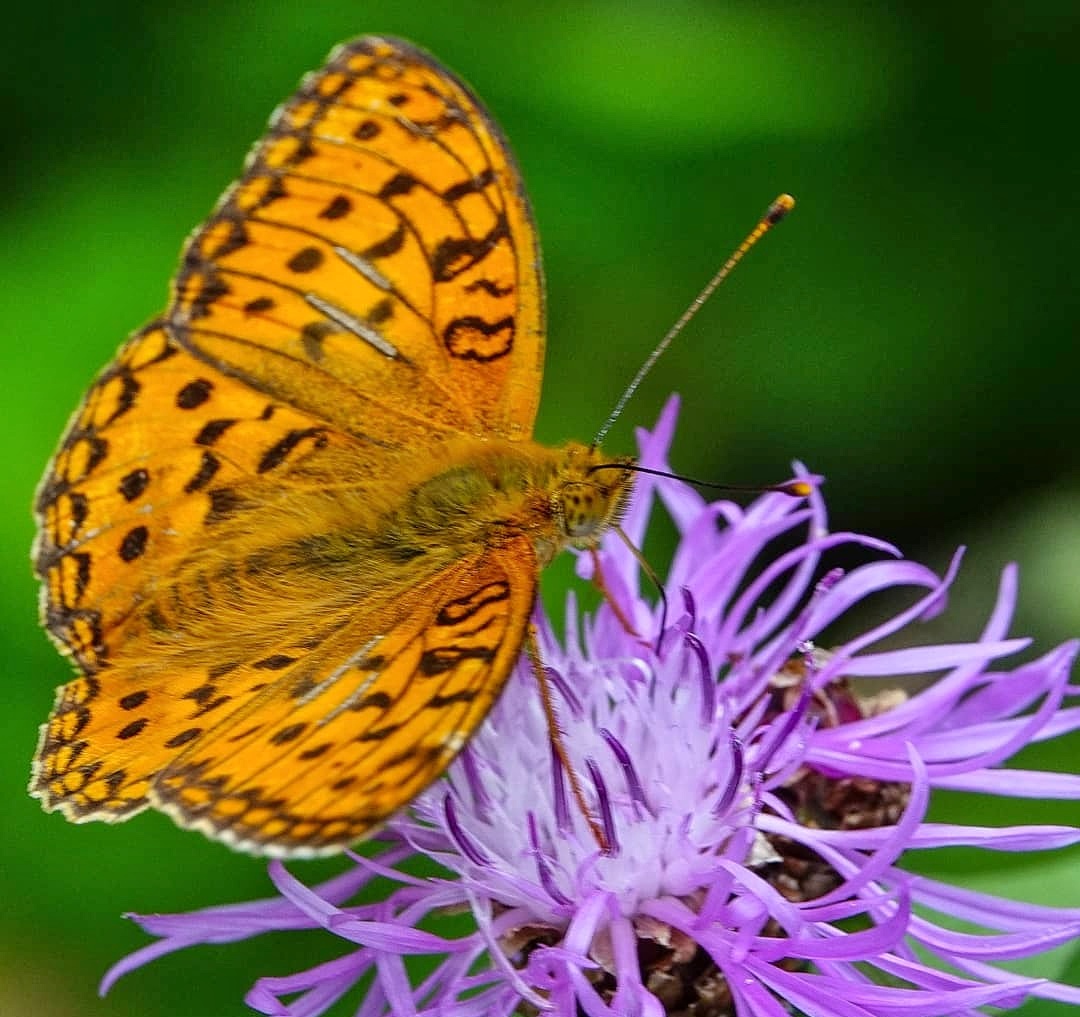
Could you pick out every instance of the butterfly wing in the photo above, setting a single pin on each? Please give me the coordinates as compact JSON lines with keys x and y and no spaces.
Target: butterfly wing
{"x":279,"y":371}
{"x":341,"y":739}
{"x":377,"y":262}
{"x":307,"y":748}
{"x":157,"y":454}
{"x":156,"y":461}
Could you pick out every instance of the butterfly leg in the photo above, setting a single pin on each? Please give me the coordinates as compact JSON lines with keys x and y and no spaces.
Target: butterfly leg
{"x":532,"y":648}
{"x":598,"y":582}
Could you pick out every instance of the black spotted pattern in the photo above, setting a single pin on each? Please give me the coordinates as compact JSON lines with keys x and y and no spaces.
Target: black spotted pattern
{"x":389,"y":245}
{"x":132,"y":729}
{"x":212,"y":430}
{"x":134,"y":543}
{"x":276,"y":662}
{"x":133,"y":700}
{"x":399,"y":184}
{"x":471,"y":186}
{"x":287,"y":734}
{"x":208,"y":467}
{"x":194,"y":394}
{"x":440,"y":659}
{"x":340,"y":207}
{"x":183,"y":737}
{"x":315,"y":751}
{"x":279,"y":451}
{"x":306,"y":260}
{"x":224,"y":501}
{"x":134,"y":484}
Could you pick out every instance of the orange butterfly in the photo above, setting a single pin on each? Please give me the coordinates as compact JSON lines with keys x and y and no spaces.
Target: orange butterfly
{"x":292,"y":536}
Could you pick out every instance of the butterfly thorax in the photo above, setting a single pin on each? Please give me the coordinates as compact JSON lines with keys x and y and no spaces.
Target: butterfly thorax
{"x":491,"y":491}
{"x":341,"y":542}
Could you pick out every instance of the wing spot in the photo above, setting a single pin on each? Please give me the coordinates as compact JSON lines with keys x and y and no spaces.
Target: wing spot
{"x":134,"y":543}
{"x":312,"y":336}
{"x":367,"y":130}
{"x":461,"y":696}
{"x":212,"y":289}
{"x":341,"y":785}
{"x":390,"y":244}
{"x":183,"y":737}
{"x":258,"y":305}
{"x":212,"y":705}
{"x":202,"y":693}
{"x":374,"y":701}
{"x":287,"y":734}
{"x":204,"y":474}
{"x":490,"y":287}
{"x":316,"y":751}
{"x":471,"y":186}
{"x":275,"y":662}
{"x":83,"y":566}
{"x":453,"y":255}
{"x":377,"y":734}
{"x":410,"y":755}
{"x":133,"y":699}
{"x":220,"y":670}
{"x":80,"y":509}
{"x":399,"y":184}
{"x":473,"y":338}
{"x":455,"y":612}
{"x":194,"y":394}
{"x":212,"y":430}
{"x":132,"y":729}
{"x":279,"y":451}
{"x":306,"y":260}
{"x":133,"y":484}
{"x":440,"y":659}
{"x":382,"y":311}
{"x":224,"y":501}
{"x":339,"y":207}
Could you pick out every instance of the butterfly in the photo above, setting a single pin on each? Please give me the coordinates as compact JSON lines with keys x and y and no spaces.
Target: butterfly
{"x":292,"y":536}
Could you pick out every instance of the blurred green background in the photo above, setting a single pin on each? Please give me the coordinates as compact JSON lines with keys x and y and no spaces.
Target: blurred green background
{"x":910,"y":332}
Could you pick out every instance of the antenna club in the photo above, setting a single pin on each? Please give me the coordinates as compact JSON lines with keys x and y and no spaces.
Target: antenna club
{"x":796,"y":488}
{"x":779,"y":208}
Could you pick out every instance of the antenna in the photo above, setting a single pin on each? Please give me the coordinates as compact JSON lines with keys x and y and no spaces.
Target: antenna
{"x":773,"y":214}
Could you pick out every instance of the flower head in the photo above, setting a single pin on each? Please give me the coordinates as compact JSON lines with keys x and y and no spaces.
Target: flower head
{"x":754,"y":804}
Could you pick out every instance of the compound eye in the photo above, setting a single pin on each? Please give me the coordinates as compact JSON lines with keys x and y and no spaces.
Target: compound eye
{"x":583,"y":511}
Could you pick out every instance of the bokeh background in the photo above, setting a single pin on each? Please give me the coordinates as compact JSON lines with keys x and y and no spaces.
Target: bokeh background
{"x":911,"y":332}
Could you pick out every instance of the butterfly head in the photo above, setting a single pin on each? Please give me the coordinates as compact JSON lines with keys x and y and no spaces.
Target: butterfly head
{"x":591,"y":496}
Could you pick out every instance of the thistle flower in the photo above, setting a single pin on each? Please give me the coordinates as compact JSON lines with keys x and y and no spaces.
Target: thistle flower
{"x":755,"y":805}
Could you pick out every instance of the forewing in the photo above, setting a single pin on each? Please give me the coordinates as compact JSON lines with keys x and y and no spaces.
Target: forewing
{"x":154,"y":465}
{"x":157,"y":456}
{"x":377,"y":258}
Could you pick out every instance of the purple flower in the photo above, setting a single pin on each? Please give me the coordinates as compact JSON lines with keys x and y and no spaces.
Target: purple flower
{"x":754,"y":803}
